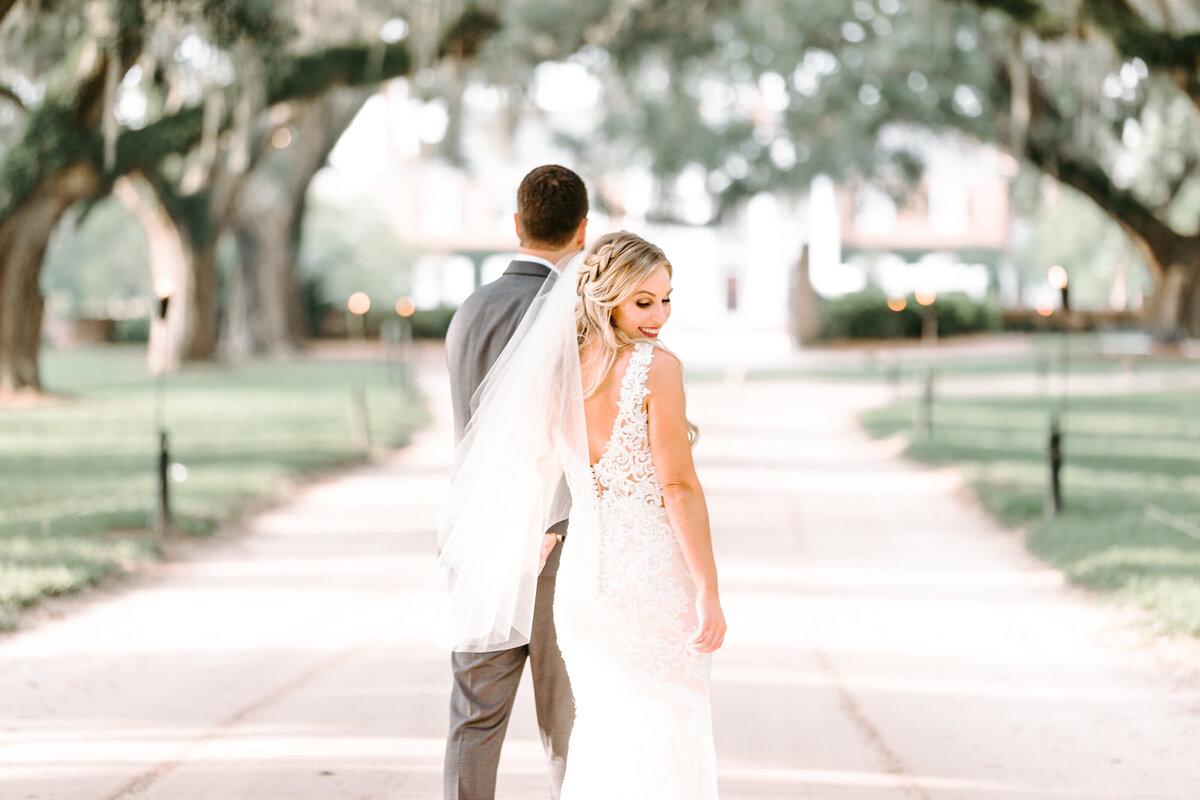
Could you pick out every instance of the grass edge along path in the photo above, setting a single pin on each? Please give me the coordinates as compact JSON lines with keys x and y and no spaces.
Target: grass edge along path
{"x":77,"y":473}
{"x":1131,"y":464}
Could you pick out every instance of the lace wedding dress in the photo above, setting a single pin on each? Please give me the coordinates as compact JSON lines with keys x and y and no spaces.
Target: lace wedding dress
{"x":624,"y":609}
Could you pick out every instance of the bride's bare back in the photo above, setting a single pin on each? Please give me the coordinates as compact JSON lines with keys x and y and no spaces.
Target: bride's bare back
{"x":600,"y":410}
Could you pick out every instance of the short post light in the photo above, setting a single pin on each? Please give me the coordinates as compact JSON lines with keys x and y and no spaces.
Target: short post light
{"x":1058,"y":278}
{"x":929,"y":321}
{"x":896,"y":304}
{"x":405,"y":308}
{"x":358,"y":305}
{"x":929,"y":333}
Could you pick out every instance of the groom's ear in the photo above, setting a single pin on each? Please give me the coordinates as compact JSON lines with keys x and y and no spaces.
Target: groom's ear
{"x":581,"y":234}
{"x":517,"y":226}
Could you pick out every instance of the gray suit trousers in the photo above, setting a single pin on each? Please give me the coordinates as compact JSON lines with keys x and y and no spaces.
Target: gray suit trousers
{"x":485,"y":685}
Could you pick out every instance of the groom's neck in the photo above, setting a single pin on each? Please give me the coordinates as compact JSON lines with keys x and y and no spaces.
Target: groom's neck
{"x":553,"y":256}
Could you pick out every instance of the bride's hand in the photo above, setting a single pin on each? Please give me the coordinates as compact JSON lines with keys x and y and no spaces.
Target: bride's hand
{"x":548,"y":542}
{"x":711,"y":632}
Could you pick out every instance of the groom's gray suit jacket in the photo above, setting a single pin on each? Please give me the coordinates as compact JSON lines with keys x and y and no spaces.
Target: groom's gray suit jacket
{"x":478,"y":333}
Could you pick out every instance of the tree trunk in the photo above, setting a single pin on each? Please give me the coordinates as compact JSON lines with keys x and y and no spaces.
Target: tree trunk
{"x":243,"y":331}
{"x":200,"y":325}
{"x":1174,"y":262}
{"x":806,"y":314}
{"x":1174,"y":309}
{"x":23,"y":238}
{"x":182,"y":270}
{"x":263,"y":309}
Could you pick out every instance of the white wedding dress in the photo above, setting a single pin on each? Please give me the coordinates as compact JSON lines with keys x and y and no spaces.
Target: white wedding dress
{"x":624,"y":609}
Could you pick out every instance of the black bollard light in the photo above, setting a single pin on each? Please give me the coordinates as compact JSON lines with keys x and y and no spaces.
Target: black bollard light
{"x":162,"y":515}
{"x":1054,"y":498}
{"x":162,"y":511}
{"x":924,"y":420}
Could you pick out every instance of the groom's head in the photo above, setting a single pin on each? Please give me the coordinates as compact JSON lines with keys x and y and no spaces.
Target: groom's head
{"x":552,"y":207}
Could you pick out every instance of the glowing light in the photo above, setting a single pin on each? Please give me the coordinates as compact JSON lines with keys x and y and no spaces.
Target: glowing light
{"x":1057,"y":276}
{"x":1045,"y":309}
{"x":925,"y":298}
{"x":164,"y":287}
{"x":359,"y":303}
{"x":393,"y":30}
{"x":405,"y":306}
{"x":897,"y":303}
{"x":281,"y":139}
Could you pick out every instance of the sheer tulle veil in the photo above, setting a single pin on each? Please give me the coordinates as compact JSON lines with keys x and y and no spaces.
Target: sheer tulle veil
{"x":507,"y":485}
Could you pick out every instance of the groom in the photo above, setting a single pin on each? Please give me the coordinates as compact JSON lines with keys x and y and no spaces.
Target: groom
{"x":551,"y":223}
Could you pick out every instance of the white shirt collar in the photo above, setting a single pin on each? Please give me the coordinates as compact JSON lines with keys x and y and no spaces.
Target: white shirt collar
{"x":533,"y":259}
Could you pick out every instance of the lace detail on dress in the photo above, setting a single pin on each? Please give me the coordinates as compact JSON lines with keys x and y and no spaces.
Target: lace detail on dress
{"x":624,"y":609}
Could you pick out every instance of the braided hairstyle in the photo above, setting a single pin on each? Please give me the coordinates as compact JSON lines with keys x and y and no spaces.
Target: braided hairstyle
{"x":612,"y":270}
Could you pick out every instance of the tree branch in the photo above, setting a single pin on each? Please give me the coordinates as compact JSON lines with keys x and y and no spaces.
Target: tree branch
{"x":8,"y":94}
{"x":306,"y":76}
{"x":1129,"y":32}
{"x":1087,"y":177}
{"x":1042,"y":148}
{"x":1134,"y":36}
{"x":1030,"y":13}
{"x":311,"y":74}
{"x":1191,"y":163}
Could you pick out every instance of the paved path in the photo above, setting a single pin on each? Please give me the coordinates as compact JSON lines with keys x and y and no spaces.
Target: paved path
{"x":886,"y":641}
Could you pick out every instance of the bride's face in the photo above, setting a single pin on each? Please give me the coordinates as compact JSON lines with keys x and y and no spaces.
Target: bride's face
{"x":647,"y":309}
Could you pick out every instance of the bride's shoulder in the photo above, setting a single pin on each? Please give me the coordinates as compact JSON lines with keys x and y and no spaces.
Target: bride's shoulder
{"x":666,"y":371}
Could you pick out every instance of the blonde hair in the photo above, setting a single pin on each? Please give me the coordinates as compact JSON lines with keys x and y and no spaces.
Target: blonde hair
{"x":612,"y":270}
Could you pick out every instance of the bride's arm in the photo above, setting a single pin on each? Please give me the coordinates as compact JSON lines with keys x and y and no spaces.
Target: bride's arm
{"x":682,"y":495}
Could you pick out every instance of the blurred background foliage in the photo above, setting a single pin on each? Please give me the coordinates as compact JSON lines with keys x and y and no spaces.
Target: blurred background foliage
{"x":209,"y":120}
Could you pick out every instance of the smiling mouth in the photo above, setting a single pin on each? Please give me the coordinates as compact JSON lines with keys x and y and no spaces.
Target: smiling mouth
{"x":651,"y":332}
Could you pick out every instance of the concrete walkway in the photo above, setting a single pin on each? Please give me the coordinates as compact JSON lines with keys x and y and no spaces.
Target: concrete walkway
{"x":886,"y":641}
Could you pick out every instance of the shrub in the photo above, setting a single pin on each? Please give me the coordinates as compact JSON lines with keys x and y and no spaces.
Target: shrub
{"x":431,"y":323}
{"x":865,"y":315}
{"x":135,"y":330}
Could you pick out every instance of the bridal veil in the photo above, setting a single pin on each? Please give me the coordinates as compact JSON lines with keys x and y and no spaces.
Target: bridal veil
{"x":507,"y":485}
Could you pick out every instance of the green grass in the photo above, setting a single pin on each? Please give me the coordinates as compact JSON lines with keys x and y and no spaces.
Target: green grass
{"x":1122,"y":454}
{"x":1044,"y":356}
{"x":77,"y":479}
{"x":892,"y":367}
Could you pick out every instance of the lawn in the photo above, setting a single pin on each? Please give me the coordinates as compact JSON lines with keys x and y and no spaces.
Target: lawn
{"x":1130,"y":462}
{"x":77,"y":475}
{"x":891,"y":367}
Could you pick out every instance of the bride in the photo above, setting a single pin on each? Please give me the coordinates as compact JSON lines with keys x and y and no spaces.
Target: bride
{"x":585,"y":390}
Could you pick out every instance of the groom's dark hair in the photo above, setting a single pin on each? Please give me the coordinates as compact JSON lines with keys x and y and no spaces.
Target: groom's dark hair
{"x":551,"y":202}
